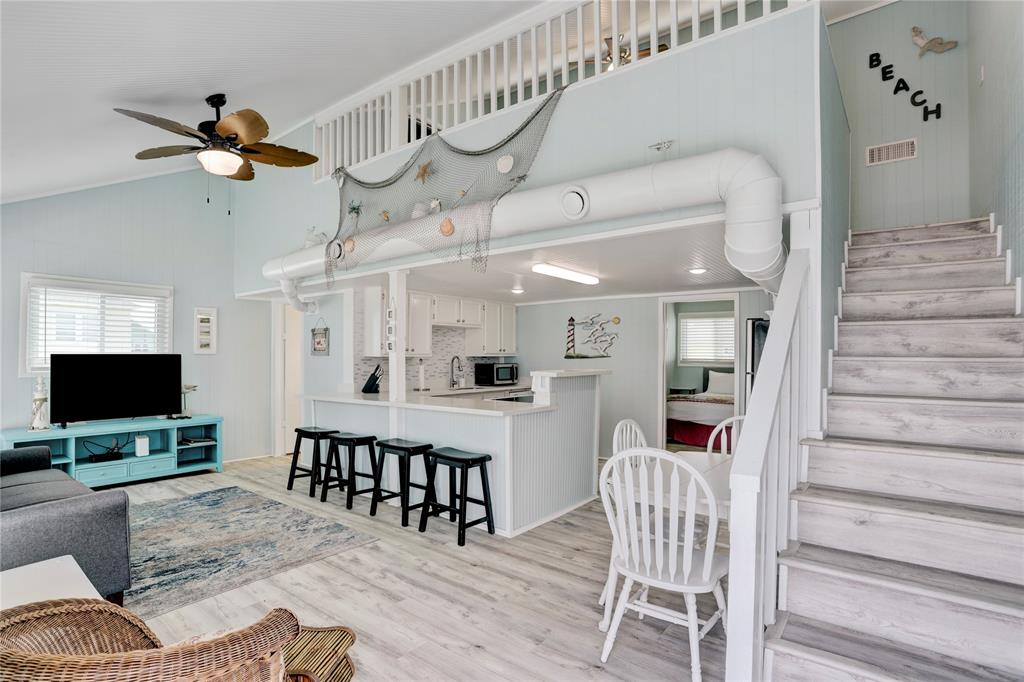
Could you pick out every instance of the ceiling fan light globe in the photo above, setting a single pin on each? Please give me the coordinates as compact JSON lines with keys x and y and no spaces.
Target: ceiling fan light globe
{"x":219,"y":162}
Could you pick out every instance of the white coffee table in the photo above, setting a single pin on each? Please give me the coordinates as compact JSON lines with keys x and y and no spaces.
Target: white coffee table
{"x":59,"y":578}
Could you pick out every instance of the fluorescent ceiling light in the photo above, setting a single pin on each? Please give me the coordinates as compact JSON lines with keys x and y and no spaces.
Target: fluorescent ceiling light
{"x":219,"y":162}
{"x":518,"y":290}
{"x":698,"y":271}
{"x":564,"y":273}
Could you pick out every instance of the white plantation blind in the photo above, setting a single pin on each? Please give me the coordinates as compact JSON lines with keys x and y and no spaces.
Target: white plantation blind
{"x":707,"y":337}
{"x":72,"y":315}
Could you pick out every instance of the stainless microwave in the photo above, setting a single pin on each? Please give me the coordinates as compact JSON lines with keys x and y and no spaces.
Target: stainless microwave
{"x":496,"y":373}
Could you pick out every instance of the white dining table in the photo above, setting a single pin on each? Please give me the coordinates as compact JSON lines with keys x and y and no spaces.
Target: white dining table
{"x":715,"y":467}
{"x":57,"y":578}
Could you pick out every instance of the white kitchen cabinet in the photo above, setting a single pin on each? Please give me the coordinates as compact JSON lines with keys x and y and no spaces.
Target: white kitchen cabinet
{"x":419,"y":323}
{"x":508,"y":328}
{"x":471,"y":312}
{"x":374,"y":323}
{"x":452,"y":311}
{"x":497,"y":334}
{"x":447,"y":310}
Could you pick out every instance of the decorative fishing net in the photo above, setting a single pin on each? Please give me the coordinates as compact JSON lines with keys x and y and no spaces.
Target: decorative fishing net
{"x":441,"y":198}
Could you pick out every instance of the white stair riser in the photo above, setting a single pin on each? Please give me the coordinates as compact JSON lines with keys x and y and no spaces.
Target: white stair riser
{"x":936,"y":276}
{"x":988,"y":482}
{"x":1004,"y":338}
{"x":925,"y":252}
{"x":984,"y":551}
{"x":791,"y":667}
{"x":930,"y":305}
{"x":980,"y":425}
{"x":966,"y":632}
{"x":919,"y":233}
{"x":939,"y":378}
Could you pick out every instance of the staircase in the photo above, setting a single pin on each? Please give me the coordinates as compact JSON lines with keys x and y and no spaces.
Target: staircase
{"x":909,"y":563}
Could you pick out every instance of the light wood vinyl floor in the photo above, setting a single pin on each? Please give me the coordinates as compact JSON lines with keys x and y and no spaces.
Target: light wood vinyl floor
{"x":424,"y":608}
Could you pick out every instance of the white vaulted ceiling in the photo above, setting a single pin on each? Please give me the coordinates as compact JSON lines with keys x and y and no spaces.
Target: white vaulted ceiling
{"x":65,"y":65}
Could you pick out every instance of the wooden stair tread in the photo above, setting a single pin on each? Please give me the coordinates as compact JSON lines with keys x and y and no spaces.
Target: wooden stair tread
{"x":931,"y":292}
{"x":990,"y":595}
{"x":965,"y":221}
{"x":945,"y":512}
{"x":969,"y":261}
{"x":969,"y":402}
{"x":935,"y":320}
{"x":935,"y":240}
{"x":916,"y":449}
{"x":874,"y":658}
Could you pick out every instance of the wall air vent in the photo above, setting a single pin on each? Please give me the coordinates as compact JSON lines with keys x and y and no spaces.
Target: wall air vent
{"x":891,"y":151}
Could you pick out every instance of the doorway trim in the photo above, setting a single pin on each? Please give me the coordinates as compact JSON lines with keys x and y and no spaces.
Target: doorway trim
{"x":663,"y":301}
{"x":278,"y":384}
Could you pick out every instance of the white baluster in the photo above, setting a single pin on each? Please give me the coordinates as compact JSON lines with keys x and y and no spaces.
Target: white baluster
{"x":581,"y":64}
{"x":741,"y":12}
{"x":534,"y":62}
{"x":434,"y":113}
{"x":444,"y":98}
{"x":673,"y":13}
{"x":694,"y":19}
{"x":519,"y":68}
{"x":548,"y":47}
{"x":480,"y":84}
{"x":634,"y":32}
{"x":597,"y":37}
{"x":614,"y":46}
{"x":652,"y":20}
{"x":717,"y":5}
{"x":494,"y":80}
{"x":766,"y":8}
{"x":508,"y":74}
{"x":469,"y":88}
{"x":564,"y":38}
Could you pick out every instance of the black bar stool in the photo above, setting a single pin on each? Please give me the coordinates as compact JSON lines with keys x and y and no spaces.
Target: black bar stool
{"x":454,"y":459}
{"x":315,"y":434}
{"x":405,"y":450}
{"x":351,"y":441}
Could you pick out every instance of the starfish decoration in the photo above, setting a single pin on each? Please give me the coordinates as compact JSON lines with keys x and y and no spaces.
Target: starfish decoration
{"x":423,"y":172}
{"x":355,"y":208}
{"x":385,"y":216}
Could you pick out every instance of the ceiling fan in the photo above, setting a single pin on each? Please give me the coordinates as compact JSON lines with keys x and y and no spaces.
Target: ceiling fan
{"x":624,"y":52}
{"x":225,"y":146}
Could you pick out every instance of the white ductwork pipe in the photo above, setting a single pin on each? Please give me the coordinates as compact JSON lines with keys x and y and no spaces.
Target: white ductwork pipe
{"x":745,"y":182}
{"x":291,"y":292}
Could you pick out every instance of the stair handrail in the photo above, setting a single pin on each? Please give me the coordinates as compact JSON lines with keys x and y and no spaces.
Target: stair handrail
{"x":764,"y":471}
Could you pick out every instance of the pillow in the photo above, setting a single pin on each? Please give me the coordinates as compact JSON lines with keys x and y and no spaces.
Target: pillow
{"x":721,"y":382}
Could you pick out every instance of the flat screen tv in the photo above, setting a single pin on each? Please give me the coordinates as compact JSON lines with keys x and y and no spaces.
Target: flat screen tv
{"x":85,"y":387}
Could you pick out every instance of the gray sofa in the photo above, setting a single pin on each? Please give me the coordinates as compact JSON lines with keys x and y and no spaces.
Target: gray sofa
{"x":44,"y":513}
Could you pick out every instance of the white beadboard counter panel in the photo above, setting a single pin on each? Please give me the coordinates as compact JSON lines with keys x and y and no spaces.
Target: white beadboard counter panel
{"x":362,"y":419}
{"x":554,"y":467}
{"x":468,"y":404}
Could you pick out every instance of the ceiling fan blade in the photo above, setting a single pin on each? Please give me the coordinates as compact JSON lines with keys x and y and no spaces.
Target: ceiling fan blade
{"x":165,"y":123}
{"x":173,"y":150}
{"x":246,"y":124}
{"x":276,"y":155}
{"x":244,"y":172}
{"x":643,"y":54}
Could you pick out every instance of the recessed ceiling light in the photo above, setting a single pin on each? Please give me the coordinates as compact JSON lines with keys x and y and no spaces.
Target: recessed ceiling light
{"x":518,"y":290}
{"x":564,"y":273}
{"x":698,"y":271}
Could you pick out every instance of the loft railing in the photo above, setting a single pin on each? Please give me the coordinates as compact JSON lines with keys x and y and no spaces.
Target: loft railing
{"x":582,"y":43}
{"x":766,"y":468}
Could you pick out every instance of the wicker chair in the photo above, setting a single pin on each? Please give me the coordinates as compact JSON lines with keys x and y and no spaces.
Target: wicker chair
{"x":92,"y":640}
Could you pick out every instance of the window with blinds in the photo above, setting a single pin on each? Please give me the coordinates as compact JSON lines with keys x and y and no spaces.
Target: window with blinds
{"x":706,"y":338}
{"x":72,"y":315}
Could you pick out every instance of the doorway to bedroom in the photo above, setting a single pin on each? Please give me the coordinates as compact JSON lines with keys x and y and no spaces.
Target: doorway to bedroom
{"x":700,"y":381}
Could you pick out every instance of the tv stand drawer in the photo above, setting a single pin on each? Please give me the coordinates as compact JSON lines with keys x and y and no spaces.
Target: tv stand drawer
{"x":149,"y":467}
{"x":102,"y":473}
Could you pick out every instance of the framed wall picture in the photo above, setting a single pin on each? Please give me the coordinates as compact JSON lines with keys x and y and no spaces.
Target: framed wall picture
{"x":204,"y":331}
{"x":321,"y":340}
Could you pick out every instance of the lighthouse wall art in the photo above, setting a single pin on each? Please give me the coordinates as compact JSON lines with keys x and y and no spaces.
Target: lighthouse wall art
{"x":590,"y":337}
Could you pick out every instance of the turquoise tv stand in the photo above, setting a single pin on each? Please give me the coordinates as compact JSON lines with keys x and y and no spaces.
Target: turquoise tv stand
{"x":170,"y":452}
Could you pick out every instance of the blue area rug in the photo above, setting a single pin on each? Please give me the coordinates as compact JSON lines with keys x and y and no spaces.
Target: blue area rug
{"x":190,"y":548}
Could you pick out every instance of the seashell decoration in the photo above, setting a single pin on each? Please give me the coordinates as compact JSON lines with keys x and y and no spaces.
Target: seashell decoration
{"x":350,"y":245}
{"x":447,"y":227}
{"x":505,"y":163}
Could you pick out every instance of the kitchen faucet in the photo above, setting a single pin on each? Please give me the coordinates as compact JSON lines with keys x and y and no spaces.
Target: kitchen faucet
{"x":451,"y":374}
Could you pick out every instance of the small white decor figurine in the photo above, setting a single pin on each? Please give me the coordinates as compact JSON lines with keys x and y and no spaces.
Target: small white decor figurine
{"x":40,"y":414}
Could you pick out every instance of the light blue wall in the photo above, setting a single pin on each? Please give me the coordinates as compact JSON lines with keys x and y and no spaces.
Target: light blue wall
{"x":752,"y":89}
{"x":835,"y":193}
{"x":935,"y":186}
{"x":995,"y":42}
{"x":154,"y":231}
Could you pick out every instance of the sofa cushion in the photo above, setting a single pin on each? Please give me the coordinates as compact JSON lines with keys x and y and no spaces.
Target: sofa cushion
{"x":38,"y":476}
{"x":46,"y":488}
